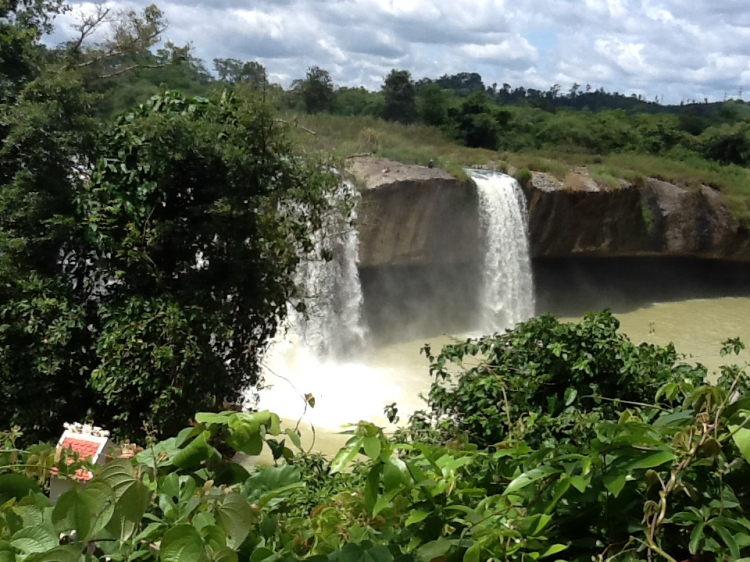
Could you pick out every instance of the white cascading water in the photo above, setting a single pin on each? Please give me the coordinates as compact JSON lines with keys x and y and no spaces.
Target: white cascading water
{"x":332,"y":326}
{"x":507,"y":290}
{"x":317,"y":352}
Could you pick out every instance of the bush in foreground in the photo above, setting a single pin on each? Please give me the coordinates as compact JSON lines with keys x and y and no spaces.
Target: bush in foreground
{"x":664,"y":480}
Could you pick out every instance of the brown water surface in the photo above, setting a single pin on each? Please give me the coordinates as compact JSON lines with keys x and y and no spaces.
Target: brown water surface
{"x":349,"y":392}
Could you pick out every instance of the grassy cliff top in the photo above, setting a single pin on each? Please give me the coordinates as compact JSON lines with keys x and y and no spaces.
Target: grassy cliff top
{"x":418,"y":144}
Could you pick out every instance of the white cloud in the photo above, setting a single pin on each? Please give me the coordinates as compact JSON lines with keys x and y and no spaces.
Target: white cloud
{"x":512,"y":49}
{"x":678,"y":49}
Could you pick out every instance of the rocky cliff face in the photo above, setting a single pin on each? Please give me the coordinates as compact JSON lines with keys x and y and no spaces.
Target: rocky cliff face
{"x":414,"y":216}
{"x":655,"y":218}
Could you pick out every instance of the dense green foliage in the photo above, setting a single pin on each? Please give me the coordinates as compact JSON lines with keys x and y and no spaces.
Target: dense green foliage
{"x":145,"y":261}
{"x":590,"y":121}
{"x":555,"y":379}
{"x":400,"y":97}
{"x":160,"y":273}
{"x":661,"y":480}
{"x":317,"y":90}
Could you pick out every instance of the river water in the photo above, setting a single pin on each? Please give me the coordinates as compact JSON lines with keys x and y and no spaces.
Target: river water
{"x":347,"y":392}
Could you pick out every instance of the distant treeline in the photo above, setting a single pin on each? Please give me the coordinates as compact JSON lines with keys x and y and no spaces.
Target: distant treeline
{"x":500,"y":117}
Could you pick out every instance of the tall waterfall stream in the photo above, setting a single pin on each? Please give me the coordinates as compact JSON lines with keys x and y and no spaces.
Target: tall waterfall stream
{"x":507,"y":293}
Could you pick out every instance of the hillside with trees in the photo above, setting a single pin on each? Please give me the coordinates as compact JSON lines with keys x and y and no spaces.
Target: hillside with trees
{"x":550,"y":131}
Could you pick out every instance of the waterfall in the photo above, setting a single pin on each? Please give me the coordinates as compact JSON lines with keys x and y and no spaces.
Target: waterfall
{"x":331,"y":290}
{"x":507,"y":291}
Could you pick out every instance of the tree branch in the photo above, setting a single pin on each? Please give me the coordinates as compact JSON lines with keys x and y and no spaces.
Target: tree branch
{"x":88,"y":25}
{"x":129,"y":68}
{"x":120,"y":50}
{"x":297,"y":125}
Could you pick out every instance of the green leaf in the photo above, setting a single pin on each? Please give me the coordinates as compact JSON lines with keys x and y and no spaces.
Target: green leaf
{"x":580,"y":483}
{"x":473,"y":553}
{"x":554,"y":549}
{"x":38,"y":538}
{"x":270,"y":479}
{"x":651,"y":461}
{"x":372,"y":487}
{"x":395,"y":474}
{"x":677,"y":416}
{"x":245,"y":438}
{"x":68,"y":553}
{"x":269,"y":526}
{"x":561,"y":488}
{"x":266,"y":499}
{"x":615,"y":481}
{"x":742,"y":439}
{"x":194,"y":453}
{"x":347,"y":454}
{"x":728,"y":539}
{"x":570,"y":396}
{"x":372,"y":447}
{"x":434,"y":549}
{"x":275,"y":425}
{"x":73,"y":513}
{"x":118,"y":475}
{"x":214,"y":537}
{"x":225,"y":555}
{"x":696,"y":537}
{"x":100,"y":499}
{"x":209,"y":418}
{"x":260,"y":554}
{"x":17,"y":486}
{"x":416,"y":516}
{"x":529,"y":478}
{"x":235,"y":517}
{"x":295,"y":438}
{"x":182,"y":543}
{"x":383,"y":501}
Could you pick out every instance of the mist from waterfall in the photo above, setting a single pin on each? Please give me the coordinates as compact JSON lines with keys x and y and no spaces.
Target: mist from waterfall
{"x":506,"y":294}
{"x":316,"y":351}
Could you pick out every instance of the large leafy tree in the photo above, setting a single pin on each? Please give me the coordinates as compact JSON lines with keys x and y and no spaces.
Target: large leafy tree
{"x":196,"y":214}
{"x":433,"y":105}
{"x":317,"y":90}
{"x":143,"y":264}
{"x":235,"y":71}
{"x":400,"y":97}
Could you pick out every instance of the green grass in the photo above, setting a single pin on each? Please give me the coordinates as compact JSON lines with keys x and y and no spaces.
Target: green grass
{"x":601,"y":175}
{"x":410,"y":144}
{"x":418,"y":144}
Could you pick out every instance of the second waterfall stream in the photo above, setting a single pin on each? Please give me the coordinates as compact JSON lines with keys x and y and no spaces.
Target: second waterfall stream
{"x":506,"y":295}
{"x":326,"y":353}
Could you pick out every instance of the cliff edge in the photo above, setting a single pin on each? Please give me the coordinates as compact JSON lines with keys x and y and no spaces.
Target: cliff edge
{"x":420,"y":216}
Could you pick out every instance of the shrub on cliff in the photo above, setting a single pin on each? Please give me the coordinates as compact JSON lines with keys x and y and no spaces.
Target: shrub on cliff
{"x":524,"y":177}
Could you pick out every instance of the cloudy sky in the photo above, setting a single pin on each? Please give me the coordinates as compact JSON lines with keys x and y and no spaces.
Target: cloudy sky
{"x":674,"y":49}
